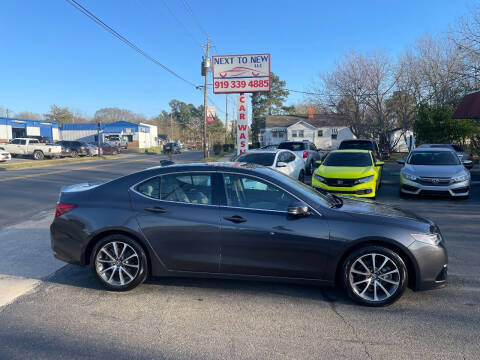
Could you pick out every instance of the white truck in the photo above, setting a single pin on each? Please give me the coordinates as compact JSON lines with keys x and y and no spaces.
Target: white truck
{"x":31,"y":147}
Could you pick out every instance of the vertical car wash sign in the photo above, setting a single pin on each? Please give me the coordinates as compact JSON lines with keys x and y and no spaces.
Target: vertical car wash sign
{"x":242,"y":125}
{"x":241,"y":73}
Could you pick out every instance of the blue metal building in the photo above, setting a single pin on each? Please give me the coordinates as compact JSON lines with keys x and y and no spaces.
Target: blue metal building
{"x":11,"y":128}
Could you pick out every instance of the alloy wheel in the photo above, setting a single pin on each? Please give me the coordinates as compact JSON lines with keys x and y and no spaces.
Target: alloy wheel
{"x":117,"y":263}
{"x":374,"y":277}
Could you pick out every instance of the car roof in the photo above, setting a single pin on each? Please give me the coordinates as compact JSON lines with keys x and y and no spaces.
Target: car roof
{"x":432,"y":149}
{"x":266,"y":151}
{"x":351,"y":151}
{"x":358,"y":140}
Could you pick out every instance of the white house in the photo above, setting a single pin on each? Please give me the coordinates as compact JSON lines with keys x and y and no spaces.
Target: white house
{"x":326,"y":131}
{"x":402,"y":140}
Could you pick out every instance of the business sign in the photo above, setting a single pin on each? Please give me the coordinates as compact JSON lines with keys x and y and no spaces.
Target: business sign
{"x":241,"y":73}
{"x":211,"y":114}
{"x":242,"y":124}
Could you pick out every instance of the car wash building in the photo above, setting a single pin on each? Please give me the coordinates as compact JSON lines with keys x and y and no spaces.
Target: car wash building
{"x":11,"y":128}
{"x":137,"y":135}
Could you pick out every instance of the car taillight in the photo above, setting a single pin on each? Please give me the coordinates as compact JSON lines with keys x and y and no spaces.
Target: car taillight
{"x":63,"y":208}
{"x":470,"y":157}
{"x":305,"y":154}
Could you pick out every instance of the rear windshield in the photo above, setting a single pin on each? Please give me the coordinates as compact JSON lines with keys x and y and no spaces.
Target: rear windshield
{"x":348,"y":159}
{"x":356,"y":145}
{"x":292,"y":146}
{"x":433,"y":158}
{"x":265,"y":159}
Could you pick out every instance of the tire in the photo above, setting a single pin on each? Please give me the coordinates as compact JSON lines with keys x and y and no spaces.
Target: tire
{"x":129,"y":266}
{"x":360,"y":284}
{"x":38,"y":155}
{"x":301,"y":176}
{"x":74,"y":154}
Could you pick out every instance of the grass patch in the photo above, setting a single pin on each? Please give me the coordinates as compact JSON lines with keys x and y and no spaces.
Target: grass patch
{"x":397,"y":155}
{"x":153,"y":150}
{"x":218,"y":157}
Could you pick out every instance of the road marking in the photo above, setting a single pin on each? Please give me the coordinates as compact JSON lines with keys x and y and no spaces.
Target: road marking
{"x":64,"y":171}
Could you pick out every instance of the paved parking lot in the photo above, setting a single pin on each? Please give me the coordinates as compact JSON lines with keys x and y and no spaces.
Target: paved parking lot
{"x":64,"y":314}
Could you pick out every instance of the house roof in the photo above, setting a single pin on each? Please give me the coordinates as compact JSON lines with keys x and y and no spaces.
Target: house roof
{"x":318,"y":120}
{"x":469,"y":107}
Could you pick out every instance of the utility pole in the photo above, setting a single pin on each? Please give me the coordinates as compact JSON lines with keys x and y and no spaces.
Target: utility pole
{"x":171,"y":128}
{"x":206,"y":66}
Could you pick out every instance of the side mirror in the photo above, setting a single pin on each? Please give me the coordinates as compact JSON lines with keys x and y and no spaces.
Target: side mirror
{"x":379,"y":163}
{"x":281,"y":164}
{"x":401,"y":161}
{"x":298,"y":209}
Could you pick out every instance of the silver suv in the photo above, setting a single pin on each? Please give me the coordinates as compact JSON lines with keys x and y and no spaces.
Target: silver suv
{"x":434,"y":171}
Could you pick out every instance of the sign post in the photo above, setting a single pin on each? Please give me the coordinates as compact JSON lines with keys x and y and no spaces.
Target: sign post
{"x":241,"y":74}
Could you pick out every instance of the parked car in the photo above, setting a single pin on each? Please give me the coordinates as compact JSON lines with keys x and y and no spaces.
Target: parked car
{"x":285,"y":161}
{"x":243,"y":221}
{"x":269,"y":147}
{"x":65,"y":151}
{"x":172,"y":147}
{"x":117,"y":141}
{"x":305,"y":150}
{"x":434,"y":171}
{"x":93,"y":149}
{"x":462,"y":154}
{"x":349,"y":172}
{"x":77,"y":148}
{"x":31,"y":147}
{"x":108,"y":149}
{"x":361,"y":144}
{"x":4,"y":155}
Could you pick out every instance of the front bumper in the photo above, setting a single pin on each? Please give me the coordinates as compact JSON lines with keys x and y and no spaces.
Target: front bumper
{"x":415,"y":188}
{"x":365,"y":190}
{"x":5,"y":157}
{"x":432,"y":262}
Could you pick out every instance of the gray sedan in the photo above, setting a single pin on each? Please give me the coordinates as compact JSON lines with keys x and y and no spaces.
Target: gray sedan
{"x":434,"y":171}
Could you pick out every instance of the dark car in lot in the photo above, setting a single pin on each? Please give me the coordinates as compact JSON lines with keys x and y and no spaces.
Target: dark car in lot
{"x":361,"y":144}
{"x":244,"y":221}
{"x":108,"y":149}
{"x":77,"y":148}
{"x":172,"y":147}
{"x":305,"y":150}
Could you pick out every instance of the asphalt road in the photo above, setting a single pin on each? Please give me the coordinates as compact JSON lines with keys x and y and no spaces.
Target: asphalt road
{"x":66,"y":315}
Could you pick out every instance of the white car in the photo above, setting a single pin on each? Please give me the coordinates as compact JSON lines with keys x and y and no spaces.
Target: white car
{"x":4,"y":155}
{"x":285,"y":161}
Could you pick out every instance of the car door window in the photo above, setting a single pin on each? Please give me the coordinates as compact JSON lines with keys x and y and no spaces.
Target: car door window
{"x":150,"y":188}
{"x":247,"y":192}
{"x":290,"y":157}
{"x":187,"y":188}
{"x":282,"y":157}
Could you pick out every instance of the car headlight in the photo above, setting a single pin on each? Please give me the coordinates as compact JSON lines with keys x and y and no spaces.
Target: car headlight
{"x":364,"y":179}
{"x":319,"y":178}
{"x":409,"y":176}
{"x":461,"y":178}
{"x":431,"y":239}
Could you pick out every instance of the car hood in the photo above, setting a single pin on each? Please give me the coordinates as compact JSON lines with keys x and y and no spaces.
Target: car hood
{"x":344,"y":172}
{"x":368,"y":207}
{"x":434,"y":170}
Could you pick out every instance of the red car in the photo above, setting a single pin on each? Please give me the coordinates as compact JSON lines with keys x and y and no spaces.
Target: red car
{"x":108,"y":149}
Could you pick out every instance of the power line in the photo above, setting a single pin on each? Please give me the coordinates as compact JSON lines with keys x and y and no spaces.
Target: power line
{"x":180,"y":23}
{"x":83,"y":10}
{"x":192,"y":14}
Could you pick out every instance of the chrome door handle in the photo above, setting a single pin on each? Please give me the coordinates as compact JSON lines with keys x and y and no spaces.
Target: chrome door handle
{"x":235,"y":219}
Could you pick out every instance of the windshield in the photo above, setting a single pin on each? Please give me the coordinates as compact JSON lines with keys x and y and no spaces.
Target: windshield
{"x":433,"y":158}
{"x":292,"y":146}
{"x":356,"y":145}
{"x":351,"y":159}
{"x":265,"y":159}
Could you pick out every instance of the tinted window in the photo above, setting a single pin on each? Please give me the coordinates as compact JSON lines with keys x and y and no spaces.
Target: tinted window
{"x":150,"y":188}
{"x":348,"y":159}
{"x":292,"y":146}
{"x":33,"y":141}
{"x":246,"y":192}
{"x":356,"y":145}
{"x":23,"y":142}
{"x":313,"y":147}
{"x":187,"y":188}
{"x":433,"y":158}
{"x":291,"y":157}
{"x":15,"y":141}
{"x":265,"y":159}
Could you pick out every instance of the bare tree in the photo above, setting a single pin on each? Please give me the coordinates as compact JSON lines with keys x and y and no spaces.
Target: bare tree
{"x":29,"y":115}
{"x":114,"y":114}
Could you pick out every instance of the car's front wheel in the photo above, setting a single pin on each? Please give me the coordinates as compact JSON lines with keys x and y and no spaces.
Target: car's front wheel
{"x":119,"y":263}
{"x":375,"y":276}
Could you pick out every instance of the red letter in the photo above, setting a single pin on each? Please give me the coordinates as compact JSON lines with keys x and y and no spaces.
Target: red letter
{"x":242,"y":127}
{"x":242,"y":136}
{"x":242,"y":116}
{"x":242,"y":108}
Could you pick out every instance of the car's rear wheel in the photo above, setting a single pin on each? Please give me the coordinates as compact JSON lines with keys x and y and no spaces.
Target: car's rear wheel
{"x":74,"y":154}
{"x":119,"y":263}
{"x":375,"y":276}
{"x":38,"y":155}
{"x":301,"y":176}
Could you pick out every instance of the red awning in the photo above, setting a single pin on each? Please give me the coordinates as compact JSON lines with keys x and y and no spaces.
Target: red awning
{"x":469,"y":107}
